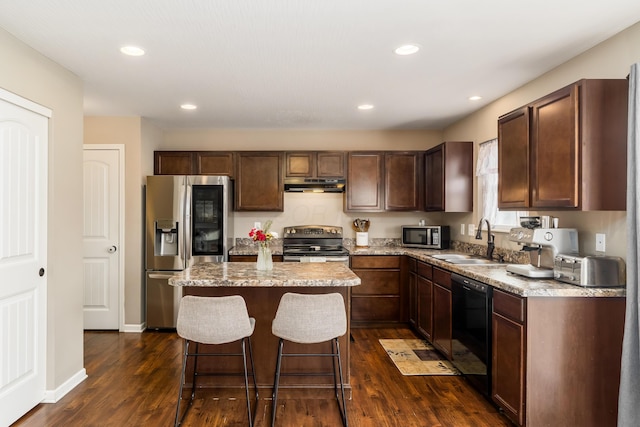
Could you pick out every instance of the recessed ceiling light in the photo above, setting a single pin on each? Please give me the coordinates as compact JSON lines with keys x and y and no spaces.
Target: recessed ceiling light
{"x":365,"y":107}
{"x":407,"y":49}
{"x":475,"y":98}
{"x":188,"y":106}
{"x":132,"y":50}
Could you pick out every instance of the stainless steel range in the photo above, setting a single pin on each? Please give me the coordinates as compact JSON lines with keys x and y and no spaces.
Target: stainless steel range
{"x":313,"y":243}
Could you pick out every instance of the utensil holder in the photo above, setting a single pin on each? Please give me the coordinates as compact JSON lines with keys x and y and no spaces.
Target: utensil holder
{"x":362,"y":239}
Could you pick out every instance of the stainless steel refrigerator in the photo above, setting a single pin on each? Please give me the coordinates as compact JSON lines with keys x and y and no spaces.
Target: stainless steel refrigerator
{"x":188,"y":220}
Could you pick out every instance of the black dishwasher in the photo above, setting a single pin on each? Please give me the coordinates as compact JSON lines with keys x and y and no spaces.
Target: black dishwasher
{"x":471,"y":330}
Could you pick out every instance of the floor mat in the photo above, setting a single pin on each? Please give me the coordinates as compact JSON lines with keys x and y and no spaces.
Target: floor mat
{"x":417,"y":357}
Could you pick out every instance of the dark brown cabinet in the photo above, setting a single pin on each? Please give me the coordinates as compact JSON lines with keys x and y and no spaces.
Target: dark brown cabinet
{"x":312,"y":164}
{"x":259,"y":181}
{"x":402,"y":181}
{"x":411,"y":276}
{"x":365,"y":178}
{"x":508,"y":350}
{"x":424,"y":300}
{"x":173,"y":163}
{"x":448,"y":171}
{"x":377,"y":301}
{"x":566,"y":150}
{"x":214,"y":163}
{"x":442,"y":304}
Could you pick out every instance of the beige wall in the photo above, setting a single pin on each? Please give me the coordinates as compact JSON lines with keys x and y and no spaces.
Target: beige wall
{"x":611,"y":59}
{"x":31,"y":75}
{"x":128,"y":131}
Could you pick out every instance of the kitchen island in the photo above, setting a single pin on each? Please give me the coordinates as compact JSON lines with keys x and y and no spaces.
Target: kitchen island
{"x":262,"y":291}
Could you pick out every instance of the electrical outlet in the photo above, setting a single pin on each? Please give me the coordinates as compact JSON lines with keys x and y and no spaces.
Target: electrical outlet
{"x":462,"y":229}
{"x":600,"y":242}
{"x":471,"y":230}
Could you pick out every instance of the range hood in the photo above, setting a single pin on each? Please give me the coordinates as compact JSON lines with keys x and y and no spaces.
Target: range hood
{"x":314,"y":185}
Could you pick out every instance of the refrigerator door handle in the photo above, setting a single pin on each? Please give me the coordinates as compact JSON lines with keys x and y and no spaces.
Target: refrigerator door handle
{"x":187,"y":222}
{"x":160,"y":276}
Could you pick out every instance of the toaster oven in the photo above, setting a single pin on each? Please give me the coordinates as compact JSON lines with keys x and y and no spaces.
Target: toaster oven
{"x":590,"y":271}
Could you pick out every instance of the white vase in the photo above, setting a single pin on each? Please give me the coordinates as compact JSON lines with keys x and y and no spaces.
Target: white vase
{"x":265,"y":262}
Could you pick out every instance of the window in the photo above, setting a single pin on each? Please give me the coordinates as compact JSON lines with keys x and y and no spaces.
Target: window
{"x":487,"y":173}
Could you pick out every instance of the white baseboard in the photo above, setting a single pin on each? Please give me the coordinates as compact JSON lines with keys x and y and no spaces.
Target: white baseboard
{"x":131,"y":327}
{"x":52,"y":396}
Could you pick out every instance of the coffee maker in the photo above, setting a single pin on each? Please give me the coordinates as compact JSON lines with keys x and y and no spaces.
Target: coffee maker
{"x":543,"y":244}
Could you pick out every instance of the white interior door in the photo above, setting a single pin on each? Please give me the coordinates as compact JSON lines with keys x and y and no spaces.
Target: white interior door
{"x":102,"y":257}
{"x":23,"y":255}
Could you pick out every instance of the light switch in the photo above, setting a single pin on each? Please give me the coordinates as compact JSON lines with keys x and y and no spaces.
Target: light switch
{"x":462,"y":229}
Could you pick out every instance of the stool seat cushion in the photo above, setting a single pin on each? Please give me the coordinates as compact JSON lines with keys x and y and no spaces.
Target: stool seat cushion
{"x":310,"y":318}
{"x":214,"y":320}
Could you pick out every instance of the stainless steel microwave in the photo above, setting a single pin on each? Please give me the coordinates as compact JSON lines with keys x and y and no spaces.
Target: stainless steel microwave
{"x":426,"y":236}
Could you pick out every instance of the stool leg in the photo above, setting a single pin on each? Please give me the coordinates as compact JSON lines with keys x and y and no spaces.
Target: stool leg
{"x":195,"y":370}
{"x":246,"y":381}
{"x":276,"y":383}
{"x":184,"y":367}
{"x":343,"y":410}
{"x":253,"y":372}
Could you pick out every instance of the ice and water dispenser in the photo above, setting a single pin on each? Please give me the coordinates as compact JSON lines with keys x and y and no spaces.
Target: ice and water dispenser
{"x":166,"y":237}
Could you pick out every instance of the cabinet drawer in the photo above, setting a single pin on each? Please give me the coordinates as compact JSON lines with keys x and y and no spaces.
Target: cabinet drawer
{"x":442,"y":277}
{"x":425,"y":270}
{"x":364,"y":308}
{"x":376,"y":282}
{"x":375,"y":261}
{"x":510,"y":306}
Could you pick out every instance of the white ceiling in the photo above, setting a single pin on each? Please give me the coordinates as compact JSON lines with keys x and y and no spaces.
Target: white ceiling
{"x":307,"y":64}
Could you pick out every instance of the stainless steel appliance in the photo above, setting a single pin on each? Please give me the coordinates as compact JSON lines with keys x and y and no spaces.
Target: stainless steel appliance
{"x":187,"y":221}
{"x":471,"y":330}
{"x":543,"y":245}
{"x":313,"y":243}
{"x":590,"y":271}
{"x":425,"y":236}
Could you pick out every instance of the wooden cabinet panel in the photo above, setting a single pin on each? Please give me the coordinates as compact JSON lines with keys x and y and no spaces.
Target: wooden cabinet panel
{"x":513,"y":159}
{"x":379,"y":296}
{"x":302,"y":164}
{"x":554,"y":150}
{"x":425,"y":299}
{"x":442,"y":319}
{"x":412,"y":291}
{"x":508,"y":370}
{"x":259,"y":181}
{"x":403,"y":183}
{"x":425,"y":270}
{"x":575,"y":140}
{"x":442,"y":277}
{"x":173,"y":163}
{"x":214,"y":163}
{"x":365,"y":191}
{"x":448,"y":171}
{"x":330,"y":164}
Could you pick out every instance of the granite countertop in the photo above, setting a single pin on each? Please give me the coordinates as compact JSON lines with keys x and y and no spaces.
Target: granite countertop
{"x":284,"y":274}
{"x":492,"y":274}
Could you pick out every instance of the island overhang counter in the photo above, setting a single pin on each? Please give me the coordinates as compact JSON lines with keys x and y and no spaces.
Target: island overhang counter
{"x":262,"y":291}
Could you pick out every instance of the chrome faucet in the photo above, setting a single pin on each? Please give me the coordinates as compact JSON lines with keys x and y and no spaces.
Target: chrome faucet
{"x":490,"y":237}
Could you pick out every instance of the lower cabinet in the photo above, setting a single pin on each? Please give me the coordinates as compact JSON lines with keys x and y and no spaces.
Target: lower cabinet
{"x":424,"y":300}
{"x":412,"y":289}
{"x":377,"y":301}
{"x":556,"y":360}
{"x":442,"y":303}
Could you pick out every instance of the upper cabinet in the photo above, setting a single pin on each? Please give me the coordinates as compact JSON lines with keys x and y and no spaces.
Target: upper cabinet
{"x":384,"y":181}
{"x":403,"y":181}
{"x":312,"y":164}
{"x":566,"y":150}
{"x":193,"y":163}
{"x":448,"y":171}
{"x":173,"y":163}
{"x":259,"y":181}
{"x":365,"y":191}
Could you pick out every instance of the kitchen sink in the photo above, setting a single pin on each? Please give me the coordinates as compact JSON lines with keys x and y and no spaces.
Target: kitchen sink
{"x":464,"y":259}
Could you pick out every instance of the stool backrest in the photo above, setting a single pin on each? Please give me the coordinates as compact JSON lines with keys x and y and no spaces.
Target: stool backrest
{"x":213,"y":320}
{"x":310,"y":318}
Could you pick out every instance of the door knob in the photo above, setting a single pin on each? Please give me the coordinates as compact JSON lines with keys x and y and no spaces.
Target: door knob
{"x":41,"y":272}
{"x":112,"y":249}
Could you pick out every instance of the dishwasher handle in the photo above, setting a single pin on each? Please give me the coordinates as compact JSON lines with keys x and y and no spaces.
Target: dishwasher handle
{"x":470,"y":284}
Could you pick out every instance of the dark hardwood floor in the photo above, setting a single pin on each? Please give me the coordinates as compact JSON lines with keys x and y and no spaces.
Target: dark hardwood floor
{"x":133,"y":381}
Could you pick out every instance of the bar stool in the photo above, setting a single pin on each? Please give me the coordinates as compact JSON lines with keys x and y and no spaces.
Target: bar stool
{"x":214,"y":320}
{"x":310,"y":319}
